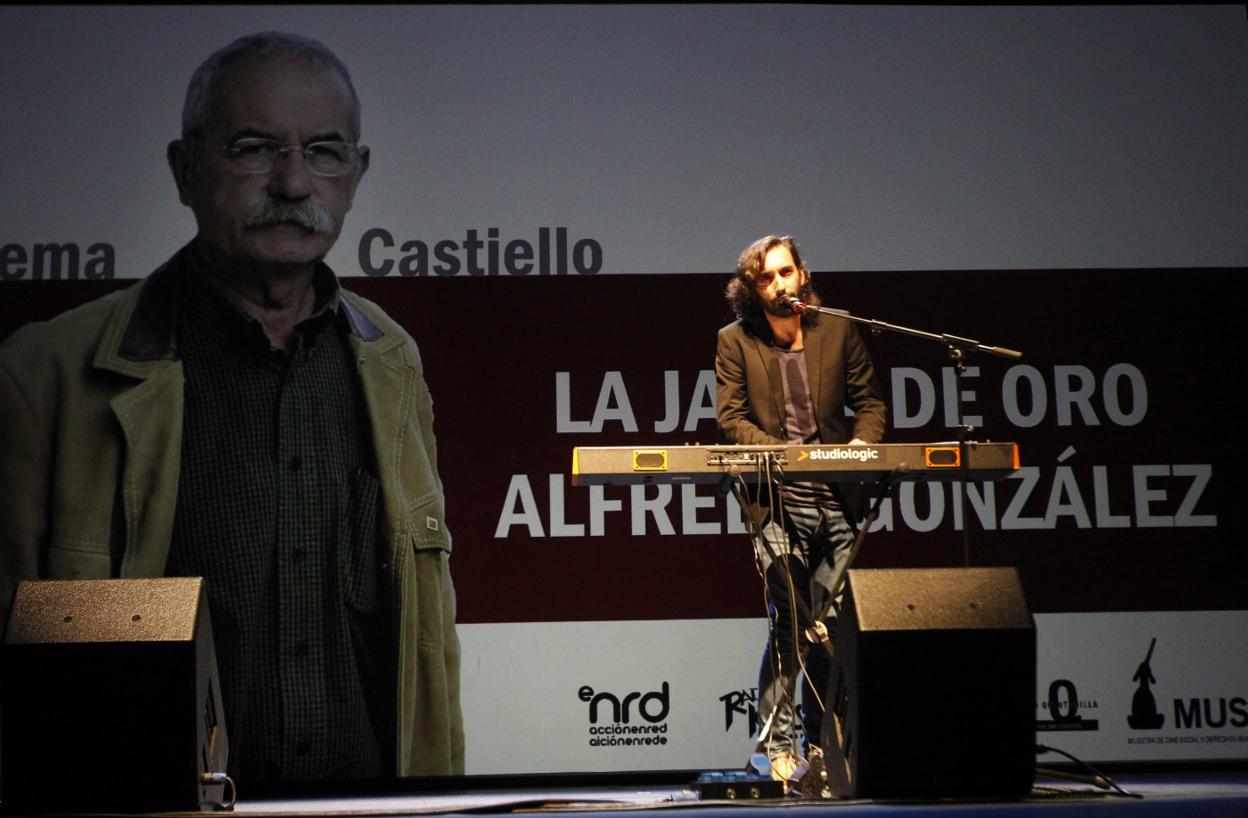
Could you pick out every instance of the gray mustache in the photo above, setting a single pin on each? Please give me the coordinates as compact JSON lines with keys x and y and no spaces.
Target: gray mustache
{"x":307,"y":214}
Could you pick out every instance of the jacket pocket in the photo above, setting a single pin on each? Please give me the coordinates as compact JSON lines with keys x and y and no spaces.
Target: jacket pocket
{"x":73,"y":560}
{"x":426,"y":520}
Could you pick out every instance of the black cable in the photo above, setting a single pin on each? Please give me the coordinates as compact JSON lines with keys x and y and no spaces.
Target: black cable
{"x":766,"y":481}
{"x":1097,"y":779}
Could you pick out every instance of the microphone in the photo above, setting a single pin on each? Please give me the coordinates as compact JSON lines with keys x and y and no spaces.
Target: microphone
{"x":799,"y":306}
{"x":796,"y":304}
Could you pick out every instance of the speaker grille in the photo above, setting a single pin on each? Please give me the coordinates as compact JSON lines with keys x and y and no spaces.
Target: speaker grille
{"x":111,"y":697}
{"x":939,"y":598}
{"x":104,"y":610}
{"x":932,"y":692}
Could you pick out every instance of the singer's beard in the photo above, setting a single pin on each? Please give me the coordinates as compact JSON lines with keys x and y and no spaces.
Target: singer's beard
{"x":779,"y":306}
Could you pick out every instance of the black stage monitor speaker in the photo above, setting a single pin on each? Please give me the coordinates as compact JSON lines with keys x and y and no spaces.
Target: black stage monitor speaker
{"x":932,"y":692}
{"x":110,"y":696}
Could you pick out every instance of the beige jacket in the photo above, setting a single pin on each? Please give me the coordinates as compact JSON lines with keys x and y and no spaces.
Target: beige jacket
{"x":90,"y":444}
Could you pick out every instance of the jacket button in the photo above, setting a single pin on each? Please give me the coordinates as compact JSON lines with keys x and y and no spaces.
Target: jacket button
{"x":296,"y":463}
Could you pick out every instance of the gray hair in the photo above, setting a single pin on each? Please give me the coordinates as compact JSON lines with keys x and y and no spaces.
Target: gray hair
{"x":264,"y":44}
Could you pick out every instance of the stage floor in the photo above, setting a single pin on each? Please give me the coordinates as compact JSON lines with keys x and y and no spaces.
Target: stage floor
{"x":1205,"y":794}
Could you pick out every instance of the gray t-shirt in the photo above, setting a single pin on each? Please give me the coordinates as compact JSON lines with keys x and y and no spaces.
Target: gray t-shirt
{"x":800,"y":426}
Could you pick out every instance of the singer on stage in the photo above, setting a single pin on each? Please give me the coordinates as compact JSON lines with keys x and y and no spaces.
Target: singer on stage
{"x":785,"y":375}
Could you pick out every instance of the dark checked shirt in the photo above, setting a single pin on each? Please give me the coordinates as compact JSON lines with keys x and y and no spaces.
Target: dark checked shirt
{"x":277,"y":509}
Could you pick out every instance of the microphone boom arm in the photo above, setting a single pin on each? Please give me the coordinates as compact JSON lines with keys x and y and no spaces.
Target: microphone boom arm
{"x":957,"y":348}
{"x":878,"y":326}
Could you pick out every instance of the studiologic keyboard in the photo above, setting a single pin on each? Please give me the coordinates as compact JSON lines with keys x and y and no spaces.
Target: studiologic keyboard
{"x":621,"y":465}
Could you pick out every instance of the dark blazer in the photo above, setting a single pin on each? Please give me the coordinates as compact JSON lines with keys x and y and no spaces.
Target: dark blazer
{"x":750,"y":394}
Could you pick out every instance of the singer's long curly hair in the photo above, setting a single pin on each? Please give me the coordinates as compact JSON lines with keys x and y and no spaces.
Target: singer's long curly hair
{"x":742,"y":295}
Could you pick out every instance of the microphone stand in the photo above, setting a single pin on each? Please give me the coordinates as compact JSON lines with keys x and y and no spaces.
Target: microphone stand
{"x":957,"y":347}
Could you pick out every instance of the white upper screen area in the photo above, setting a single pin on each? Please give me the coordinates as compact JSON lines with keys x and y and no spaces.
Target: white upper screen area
{"x":883,"y":138}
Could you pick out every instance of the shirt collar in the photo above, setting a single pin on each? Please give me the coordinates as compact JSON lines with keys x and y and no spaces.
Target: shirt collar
{"x":149,"y":331}
{"x":205,"y":301}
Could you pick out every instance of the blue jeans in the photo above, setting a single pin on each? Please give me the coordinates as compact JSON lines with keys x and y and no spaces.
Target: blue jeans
{"x":811,"y":546}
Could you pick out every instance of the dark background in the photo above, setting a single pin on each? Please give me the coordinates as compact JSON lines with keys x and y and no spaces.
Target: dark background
{"x":491,"y":349}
